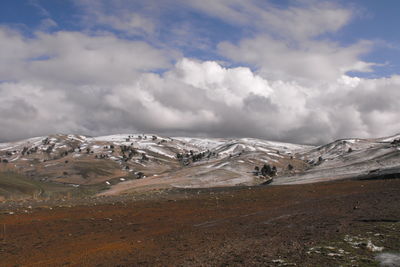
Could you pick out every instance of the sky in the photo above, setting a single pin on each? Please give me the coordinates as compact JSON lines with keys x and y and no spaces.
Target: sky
{"x":303,"y":71}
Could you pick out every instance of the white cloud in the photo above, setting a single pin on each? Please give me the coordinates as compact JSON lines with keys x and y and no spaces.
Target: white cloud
{"x":130,"y":23}
{"x":289,"y":43}
{"x":306,"y":22}
{"x":28,"y":110}
{"x":72,"y":57}
{"x":99,"y":83}
{"x":303,"y":20}
{"x":47,"y":24}
{"x":203,"y":98}
{"x":123,"y":16}
{"x":313,"y":60}
{"x":229,"y":86}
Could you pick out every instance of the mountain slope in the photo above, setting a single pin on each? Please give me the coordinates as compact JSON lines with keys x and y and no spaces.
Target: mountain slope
{"x":349,"y":158}
{"x":129,"y":162}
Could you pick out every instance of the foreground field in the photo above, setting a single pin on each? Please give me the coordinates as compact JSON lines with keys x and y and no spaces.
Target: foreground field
{"x":349,"y":223}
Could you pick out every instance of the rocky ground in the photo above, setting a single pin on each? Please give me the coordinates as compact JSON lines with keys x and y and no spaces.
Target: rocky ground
{"x":341,"y":223}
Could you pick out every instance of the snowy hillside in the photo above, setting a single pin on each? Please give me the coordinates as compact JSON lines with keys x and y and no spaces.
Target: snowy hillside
{"x":349,"y":158}
{"x":129,"y":162}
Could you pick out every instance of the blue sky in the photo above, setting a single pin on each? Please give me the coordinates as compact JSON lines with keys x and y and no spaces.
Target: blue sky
{"x":372,"y":20}
{"x":304,"y":71}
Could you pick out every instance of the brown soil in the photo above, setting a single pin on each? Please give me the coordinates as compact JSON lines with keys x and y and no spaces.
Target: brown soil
{"x":258,"y":226}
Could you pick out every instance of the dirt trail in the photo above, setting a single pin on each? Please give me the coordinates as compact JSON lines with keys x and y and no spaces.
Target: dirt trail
{"x":231,"y":227}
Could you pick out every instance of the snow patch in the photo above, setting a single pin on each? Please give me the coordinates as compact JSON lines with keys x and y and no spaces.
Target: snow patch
{"x":388,"y":259}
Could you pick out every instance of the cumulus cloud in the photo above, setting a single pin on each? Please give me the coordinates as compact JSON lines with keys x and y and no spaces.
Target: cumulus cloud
{"x":289,"y":43}
{"x":27,"y":110}
{"x":279,"y":41}
{"x":199,"y":98}
{"x":97,"y":82}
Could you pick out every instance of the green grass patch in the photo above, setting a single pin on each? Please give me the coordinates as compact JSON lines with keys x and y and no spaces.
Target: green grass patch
{"x":15,"y":186}
{"x":103,"y":168}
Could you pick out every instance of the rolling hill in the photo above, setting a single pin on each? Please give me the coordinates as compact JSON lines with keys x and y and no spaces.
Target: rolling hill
{"x":124,"y":163}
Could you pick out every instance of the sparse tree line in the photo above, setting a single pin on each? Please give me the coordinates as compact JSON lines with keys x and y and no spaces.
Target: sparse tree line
{"x":140,"y":137}
{"x":191,"y":156}
{"x":102,"y":156}
{"x":126,"y":151}
{"x":395,"y":142}
{"x":46,"y":141}
{"x":266,"y":171}
{"x":129,"y":152}
{"x":49,"y":149}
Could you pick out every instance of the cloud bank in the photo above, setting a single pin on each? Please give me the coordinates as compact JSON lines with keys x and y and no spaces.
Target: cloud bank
{"x":284,"y":82}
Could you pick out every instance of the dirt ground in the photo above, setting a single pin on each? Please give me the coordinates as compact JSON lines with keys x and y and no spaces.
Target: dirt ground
{"x":294,"y":225}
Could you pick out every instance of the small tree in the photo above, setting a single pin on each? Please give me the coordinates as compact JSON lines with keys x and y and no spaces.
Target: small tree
{"x":274,"y":170}
{"x":267,"y":170}
{"x":256,"y":170}
{"x":395,"y":142}
{"x":144,"y":157}
{"x":24,"y":150}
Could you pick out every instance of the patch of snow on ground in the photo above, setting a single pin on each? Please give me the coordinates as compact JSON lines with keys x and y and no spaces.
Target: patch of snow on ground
{"x":49,"y":165}
{"x":275,"y":155}
{"x":390,"y":138}
{"x":221,"y":165}
{"x":161,"y":152}
{"x":388,"y":259}
{"x":264,"y":149}
{"x":373,"y":248}
{"x":204,"y":143}
{"x":230,"y":150}
{"x":12,"y":145}
{"x":111,"y":138}
{"x":276,"y":145}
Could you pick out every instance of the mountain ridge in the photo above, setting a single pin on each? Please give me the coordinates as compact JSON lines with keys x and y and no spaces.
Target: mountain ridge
{"x":125,"y":163}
